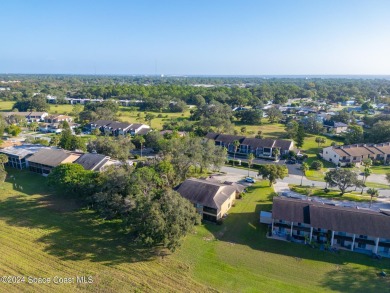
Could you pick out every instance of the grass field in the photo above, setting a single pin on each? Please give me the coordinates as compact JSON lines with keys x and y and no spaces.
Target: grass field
{"x":6,"y":106}
{"x":131,"y":116}
{"x":46,"y":236}
{"x":332,"y":194}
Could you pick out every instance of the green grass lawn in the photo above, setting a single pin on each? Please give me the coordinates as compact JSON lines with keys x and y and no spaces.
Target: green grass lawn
{"x":275,"y":130}
{"x":332,"y":194}
{"x":380,"y":169}
{"x":43,"y":235}
{"x":157,"y":123}
{"x":6,"y":106}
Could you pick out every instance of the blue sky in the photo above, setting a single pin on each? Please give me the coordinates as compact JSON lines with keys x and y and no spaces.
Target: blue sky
{"x":210,"y":37}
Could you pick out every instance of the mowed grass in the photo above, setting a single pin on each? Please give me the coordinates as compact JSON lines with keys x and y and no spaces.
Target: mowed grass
{"x":332,"y":194}
{"x":125,"y":114}
{"x":46,"y":236}
{"x":6,"y":106}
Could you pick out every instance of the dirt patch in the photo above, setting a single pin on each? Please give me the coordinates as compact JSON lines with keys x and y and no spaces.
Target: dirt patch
{"x":59,"y":204}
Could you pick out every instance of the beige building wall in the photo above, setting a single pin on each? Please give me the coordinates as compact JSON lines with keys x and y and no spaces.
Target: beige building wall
{"x":227,"y":205}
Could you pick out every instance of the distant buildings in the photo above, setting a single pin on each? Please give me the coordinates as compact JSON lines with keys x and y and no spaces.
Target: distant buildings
{"x":41,"y":159}
{"x":119,"y":128}
{"x":262,"y":148}
{"x":356,"y":153}
{"x":30,"y":116}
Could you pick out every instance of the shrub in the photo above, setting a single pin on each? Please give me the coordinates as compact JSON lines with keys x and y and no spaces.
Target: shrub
{"x":316,"y":165}
{"x":159,"y":116}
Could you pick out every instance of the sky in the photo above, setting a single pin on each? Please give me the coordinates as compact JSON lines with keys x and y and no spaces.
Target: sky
{"x":195,"y":37}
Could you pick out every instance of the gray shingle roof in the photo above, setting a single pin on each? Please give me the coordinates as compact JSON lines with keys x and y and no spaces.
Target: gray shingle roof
{"x":207,"y":193}
{"x":92,"y":161}
{"x":49,"y":157}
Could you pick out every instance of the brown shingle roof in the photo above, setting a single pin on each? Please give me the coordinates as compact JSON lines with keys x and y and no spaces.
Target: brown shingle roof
{"x":207,"y":193}
{"x":363,"y":149}
{"x":340,"y":219}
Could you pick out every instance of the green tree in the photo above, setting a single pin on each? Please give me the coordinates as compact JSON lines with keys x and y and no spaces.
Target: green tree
{"x":341,"y":178}
{"x":367,"y":172}
{"x":354,"y":134}
{"x":55,"y":140}
{"x":276,"y":153}
{"x":300,"y":138}
{"x":3,"y":173}
{"x":251,"y":158}
{"x":292,"y":129}
{"x":236,"y":144}
{"x":367,"y":163}
{"x":316,"y":165}
{"x":373,"y":193}
{"x":272,"y":172}
{"x":162,"y":220}
{"x":33,"y":126}
{"x":141,"y":141}
{"x":320,"y":140}
{"x":149,"y":117}
{"x":72,"y":179}
{"x":274,"y":115}
{"x":13,"y":130}
{"x":388,"y":177}
{"x":304,"y":168}
{"x":118,"y":148}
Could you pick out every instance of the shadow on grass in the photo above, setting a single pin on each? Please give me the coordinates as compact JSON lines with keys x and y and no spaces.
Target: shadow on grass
{"x":245,"y":229}
{"x":71,"y":233}
{"x":352,"y":280}
{"x":26,"y":182}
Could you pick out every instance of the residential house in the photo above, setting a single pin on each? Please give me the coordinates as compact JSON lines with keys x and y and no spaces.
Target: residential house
{"x":348,"y":103}
{"x":30,"y":116}
{"x":119,"y":128}
{"x":43,"y":161}
{"x":336,"y":127}
{"x":357,"y":153}
{"x":18,"y":154}
{"x":58,"y":118}
{"x":305,"y":221}
{"x":211,"y":199}
{"x":261,"y":148}
{"x":95,"y":162}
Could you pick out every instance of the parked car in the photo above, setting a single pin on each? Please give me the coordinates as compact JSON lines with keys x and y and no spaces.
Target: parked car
{"x":250,"y":180}
{"x":291,"y":161}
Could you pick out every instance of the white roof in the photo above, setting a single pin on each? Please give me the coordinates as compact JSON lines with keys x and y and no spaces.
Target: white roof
{"x":22,"y":150}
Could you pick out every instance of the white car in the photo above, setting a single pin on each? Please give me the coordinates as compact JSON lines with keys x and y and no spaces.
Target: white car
{"x":250,"y":180}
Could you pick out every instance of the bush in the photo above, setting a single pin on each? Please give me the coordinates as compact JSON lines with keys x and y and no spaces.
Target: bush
{"x":159,"y":116}
{"x":316,"y":165}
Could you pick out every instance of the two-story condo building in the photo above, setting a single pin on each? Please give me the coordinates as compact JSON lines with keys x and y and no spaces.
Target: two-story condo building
{"x":359,"y":230}
{"x":262,"y":148}
{"x":356,"y":153}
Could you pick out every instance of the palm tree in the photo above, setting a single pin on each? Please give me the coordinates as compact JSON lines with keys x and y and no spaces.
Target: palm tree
{"x":304,"y":168}
{"x":367,"y":172}
{"x":373,"y":193}
{"x":276,"y":153}
{"x":236,"y":144}
{"x":251,"y":157}
{"x":388,"y":177}
{"x":141,"y":141}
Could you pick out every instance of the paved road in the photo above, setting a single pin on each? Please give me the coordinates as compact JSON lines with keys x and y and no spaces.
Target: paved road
{"x":384,"y":194}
